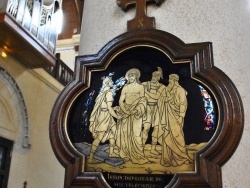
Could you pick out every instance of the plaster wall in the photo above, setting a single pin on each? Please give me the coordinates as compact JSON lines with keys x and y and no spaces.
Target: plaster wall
{"x":68,"y":57}
{"x":225,"y":23}
{"x":37,"y":165}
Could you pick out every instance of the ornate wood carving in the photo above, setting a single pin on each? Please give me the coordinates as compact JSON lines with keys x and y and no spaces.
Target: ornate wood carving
{"x":141,"y":19}
{"x":208,"y":161}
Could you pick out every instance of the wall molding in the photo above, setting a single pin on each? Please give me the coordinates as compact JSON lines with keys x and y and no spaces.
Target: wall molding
{"x":13,"y":104}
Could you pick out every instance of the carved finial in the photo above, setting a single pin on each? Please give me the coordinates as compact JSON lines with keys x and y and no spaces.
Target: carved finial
{"x":141,"y":19}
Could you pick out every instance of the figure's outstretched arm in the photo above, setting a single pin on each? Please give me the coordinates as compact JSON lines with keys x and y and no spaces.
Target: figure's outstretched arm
{"x":111,"y":111}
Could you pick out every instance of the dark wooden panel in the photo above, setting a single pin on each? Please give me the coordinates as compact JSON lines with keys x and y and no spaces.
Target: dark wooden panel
{"x":208,"y":161}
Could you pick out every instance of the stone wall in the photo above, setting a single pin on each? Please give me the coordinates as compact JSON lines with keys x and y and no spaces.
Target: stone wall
{"x":27,"y":98}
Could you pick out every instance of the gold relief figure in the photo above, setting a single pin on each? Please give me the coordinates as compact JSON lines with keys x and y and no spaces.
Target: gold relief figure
{"x":142,"y":106}
{"x":153,"y":90}
{"x":102,"y":124}
{"x":132,"y":103}
{"x":173,"y":106}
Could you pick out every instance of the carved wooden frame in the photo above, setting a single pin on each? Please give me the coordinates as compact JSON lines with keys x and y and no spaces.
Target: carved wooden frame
{"x":208,"y":161}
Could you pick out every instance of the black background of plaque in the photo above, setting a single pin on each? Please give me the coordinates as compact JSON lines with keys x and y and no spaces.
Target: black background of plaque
{"x":165,"y":179}
{"x":147,"y":60}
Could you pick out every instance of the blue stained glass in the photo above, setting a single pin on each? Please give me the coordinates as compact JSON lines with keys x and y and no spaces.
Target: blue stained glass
{"x":85,"y":113}
{"x":209,"y":115}
{"x":118,"y":84}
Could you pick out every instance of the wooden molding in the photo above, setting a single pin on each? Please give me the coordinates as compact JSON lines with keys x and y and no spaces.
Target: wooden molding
{"x":208,"y":161}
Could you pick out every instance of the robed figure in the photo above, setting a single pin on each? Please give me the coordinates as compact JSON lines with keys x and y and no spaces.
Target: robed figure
{"x":173,"y":106}
{"x":132,"y":104}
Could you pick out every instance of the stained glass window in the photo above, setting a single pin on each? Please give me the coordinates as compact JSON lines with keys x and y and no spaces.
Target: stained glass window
{"x":209,"y":115}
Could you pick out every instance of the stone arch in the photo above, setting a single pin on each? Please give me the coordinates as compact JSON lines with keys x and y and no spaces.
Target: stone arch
{"x":14,"y":123}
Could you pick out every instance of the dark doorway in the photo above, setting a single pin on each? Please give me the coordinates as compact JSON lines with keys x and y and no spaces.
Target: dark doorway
{"x":5,"y":159}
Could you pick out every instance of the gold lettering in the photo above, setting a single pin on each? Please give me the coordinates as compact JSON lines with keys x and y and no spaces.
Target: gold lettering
{"x":141,"y":24}
{"x":158,"y":179}
{"x":138,"y":179}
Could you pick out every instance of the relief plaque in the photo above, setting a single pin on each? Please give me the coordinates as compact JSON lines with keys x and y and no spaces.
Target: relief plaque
{"x":147,"y":111}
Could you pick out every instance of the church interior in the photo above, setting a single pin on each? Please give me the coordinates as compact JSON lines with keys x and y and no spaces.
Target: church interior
{"x":39,"y":43}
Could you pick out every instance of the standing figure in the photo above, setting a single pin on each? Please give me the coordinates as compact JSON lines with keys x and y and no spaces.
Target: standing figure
{"x":173,"y":106}
{"x":132,"y":109}
{"x":153,"y":91}
{"x":102,"y":124}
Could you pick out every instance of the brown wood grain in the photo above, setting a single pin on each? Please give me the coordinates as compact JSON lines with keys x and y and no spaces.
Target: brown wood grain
{"x":200,"y":55}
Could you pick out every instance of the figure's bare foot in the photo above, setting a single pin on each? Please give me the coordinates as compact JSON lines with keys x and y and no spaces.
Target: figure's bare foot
{"x":155,"y":152}
{"x":93,"y":161}
{"x":187,"y":162}
{"x":114,"y":155}
{"x":167,"y":165}
{"x":148,"y":162}
{"x":126,"y":159}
